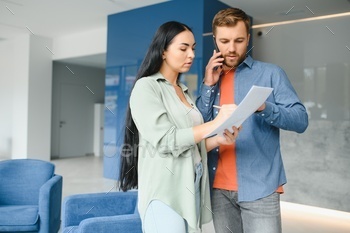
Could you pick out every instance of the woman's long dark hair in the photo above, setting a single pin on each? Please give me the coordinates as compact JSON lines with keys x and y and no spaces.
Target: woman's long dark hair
{"x":149,"y":66}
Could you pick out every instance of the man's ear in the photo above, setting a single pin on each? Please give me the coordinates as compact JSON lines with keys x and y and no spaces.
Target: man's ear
{"x":248,"y":39}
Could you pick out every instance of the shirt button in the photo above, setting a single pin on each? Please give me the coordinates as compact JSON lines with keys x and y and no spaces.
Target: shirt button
{"x":216,"y":112}
{"x":214,"y":168}
{"x":271,"y":122}
{"x":218,"y":93}
{"x":263,"y":114}
{"x":206,"y":104}
{"x":217,"y":150}
{"x":212,"y":90}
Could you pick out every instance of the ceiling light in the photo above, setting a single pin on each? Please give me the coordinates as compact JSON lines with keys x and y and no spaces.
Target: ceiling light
{"x":301,"y":20}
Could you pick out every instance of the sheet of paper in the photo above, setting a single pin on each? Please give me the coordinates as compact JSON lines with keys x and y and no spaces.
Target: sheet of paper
{"x":252,"y":101}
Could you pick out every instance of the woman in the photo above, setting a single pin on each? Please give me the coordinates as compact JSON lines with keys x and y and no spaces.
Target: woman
{"x":165,"y":154}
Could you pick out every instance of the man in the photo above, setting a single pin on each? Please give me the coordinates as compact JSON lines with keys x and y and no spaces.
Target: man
{"x":248,"y":177}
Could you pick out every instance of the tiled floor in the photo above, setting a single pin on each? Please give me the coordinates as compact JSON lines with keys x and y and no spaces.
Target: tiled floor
{"x":85,"y":175}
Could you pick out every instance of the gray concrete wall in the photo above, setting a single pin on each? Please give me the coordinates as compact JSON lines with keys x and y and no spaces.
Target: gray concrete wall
{"x":317,"y":63}
{"x":317,"y":165}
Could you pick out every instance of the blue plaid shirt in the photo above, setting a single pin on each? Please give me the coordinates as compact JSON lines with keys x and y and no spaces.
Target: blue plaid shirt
{"x":260,"y":168}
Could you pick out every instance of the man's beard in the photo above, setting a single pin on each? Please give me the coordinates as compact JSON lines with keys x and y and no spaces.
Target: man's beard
{"x":236,"y":63}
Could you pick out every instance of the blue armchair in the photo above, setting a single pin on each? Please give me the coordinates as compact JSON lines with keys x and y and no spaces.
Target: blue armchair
{"x":30,"y":196}
{"x":101,"y":212}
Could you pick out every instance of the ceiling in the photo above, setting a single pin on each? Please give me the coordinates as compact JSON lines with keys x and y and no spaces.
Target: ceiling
{"x":52,"y":19}
{"x":270,"y":11}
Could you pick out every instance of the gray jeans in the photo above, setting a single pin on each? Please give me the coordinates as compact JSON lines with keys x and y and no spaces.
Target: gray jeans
{"x":260,"y":216}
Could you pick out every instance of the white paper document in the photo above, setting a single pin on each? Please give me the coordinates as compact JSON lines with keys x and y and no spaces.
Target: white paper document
{"x":252,"y":101}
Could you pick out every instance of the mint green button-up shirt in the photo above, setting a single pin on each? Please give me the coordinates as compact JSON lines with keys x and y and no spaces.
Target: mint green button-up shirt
{"x":166,"y":150}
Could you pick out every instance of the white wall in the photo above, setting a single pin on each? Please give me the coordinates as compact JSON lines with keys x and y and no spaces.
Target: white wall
{"x":26,"y":86}
{"x":6,"y":96}
{"x":317,"y":62}
{"x":80,"y":44}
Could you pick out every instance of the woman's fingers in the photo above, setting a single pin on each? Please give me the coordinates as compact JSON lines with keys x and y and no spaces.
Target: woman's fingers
{"x":230,"y":137}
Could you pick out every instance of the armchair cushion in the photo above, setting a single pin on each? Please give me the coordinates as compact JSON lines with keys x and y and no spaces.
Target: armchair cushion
{"x":17,"y":218}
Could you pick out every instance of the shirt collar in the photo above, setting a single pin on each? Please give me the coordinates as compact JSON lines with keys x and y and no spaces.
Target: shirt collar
{"x":248,"y":61}
{"x":159,"y":76}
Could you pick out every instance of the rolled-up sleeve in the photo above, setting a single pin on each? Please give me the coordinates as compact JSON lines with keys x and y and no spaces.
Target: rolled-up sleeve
{"x":286,"y":112}
{"x":152,"y":120}
{"x":206,"y":100}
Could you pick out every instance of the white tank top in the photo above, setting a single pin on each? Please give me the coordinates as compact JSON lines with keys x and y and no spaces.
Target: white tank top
{"x":196,"y":120}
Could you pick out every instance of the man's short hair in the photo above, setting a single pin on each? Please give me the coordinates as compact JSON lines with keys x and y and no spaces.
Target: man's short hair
{"x":229,"y":17}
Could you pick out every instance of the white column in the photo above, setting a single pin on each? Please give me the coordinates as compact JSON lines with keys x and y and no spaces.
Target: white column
{"x":32,"y":97}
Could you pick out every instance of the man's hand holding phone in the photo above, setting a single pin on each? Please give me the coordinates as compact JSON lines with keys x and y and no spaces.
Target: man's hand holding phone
{"x":214,"y":67}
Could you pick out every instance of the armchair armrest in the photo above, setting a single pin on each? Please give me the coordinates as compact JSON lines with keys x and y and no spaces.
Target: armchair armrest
{"x":50,"y":199}
{"x":78,"y":207}
{"x":123,"y":223}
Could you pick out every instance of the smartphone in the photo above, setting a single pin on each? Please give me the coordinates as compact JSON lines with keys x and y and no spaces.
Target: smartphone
{"x":217,"y":50}
{"x":215,"y":45}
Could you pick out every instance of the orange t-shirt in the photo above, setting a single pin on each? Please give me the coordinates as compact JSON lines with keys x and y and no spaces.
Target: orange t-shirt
{"x":226,"y":173}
